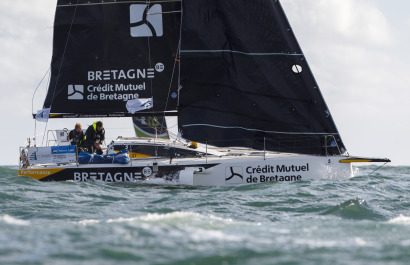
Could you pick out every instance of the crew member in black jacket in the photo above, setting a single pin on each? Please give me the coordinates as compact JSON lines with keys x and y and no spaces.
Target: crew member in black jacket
{"x":76,"y":136}
{"x":94,"y":136}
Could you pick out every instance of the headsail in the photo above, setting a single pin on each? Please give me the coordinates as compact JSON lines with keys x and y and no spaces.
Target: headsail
{"x":108,"y":52}
{"x":150,"y":127}
{"x":245,"y":81}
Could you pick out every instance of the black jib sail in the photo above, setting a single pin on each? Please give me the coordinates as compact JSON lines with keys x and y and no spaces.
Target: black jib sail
{"x":108,"y":52}
{"x":245,"y":81}
{"x":150,"y":127}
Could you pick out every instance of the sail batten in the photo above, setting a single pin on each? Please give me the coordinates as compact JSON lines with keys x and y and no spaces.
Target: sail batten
{"x":241,"y":52}
{"x":258,"y":130}
{"x":111,"y":2}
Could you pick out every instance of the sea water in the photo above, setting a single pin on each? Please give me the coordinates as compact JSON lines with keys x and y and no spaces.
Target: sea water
{"x":363,"y":220}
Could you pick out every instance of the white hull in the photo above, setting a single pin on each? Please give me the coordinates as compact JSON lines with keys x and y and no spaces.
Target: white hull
{"x":252,"y":170}
{"x":204,"y":171}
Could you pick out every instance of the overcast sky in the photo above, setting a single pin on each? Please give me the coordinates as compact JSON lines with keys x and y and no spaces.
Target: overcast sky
{"x":358,"y":51}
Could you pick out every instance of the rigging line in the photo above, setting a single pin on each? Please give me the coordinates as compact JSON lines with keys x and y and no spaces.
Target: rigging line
{"x":257,"y":130}
{"x":44,"y":134}
{"x":170,"y":84}
{"x":163,"y":127}
{"x":167,"y":12}
{"x":152,"y":127}
{"x":179,"y":55}
{"x":48,"y":85}
{"x":179,"y":135}
{"x":49,"y":78}
{"x":169,"y":91}
{"x":61,"y":65}
{"x":35,"y":91}
{"x":32,"y":101}
{"x":35,"y":131}
{"x":148,"y":3}
{"x":119,"y":2}
{"x":244,"y":53}
{"x":65,"y":50}
{"x":378,"y":168}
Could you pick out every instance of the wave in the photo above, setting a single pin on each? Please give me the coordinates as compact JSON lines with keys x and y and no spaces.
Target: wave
{"x":385,"y":171}
{"x":168,"y":218}
{"x":194,"y":227}
{"x":357,"y":209}
{"x":401,"y":219}
{"x":13,"y":221}
{"x":8,"y":171}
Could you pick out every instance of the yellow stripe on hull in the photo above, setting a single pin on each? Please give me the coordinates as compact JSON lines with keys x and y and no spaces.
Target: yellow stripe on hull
{"x":38,"y":173}
{"x":135,"y":155}
{"x":138,"y":155}
{"x":364,"y":160}
{"x":354,"y":160}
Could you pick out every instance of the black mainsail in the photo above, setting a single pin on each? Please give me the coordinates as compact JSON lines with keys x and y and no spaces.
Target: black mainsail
{"x":245,"y":81}
{"x":108,"y":52}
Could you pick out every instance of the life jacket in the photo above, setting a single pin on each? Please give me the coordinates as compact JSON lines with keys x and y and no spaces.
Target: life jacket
{"x":76,"y":137}
{"x":96,"y":136}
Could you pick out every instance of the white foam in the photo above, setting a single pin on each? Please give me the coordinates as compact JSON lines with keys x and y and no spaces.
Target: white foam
{"x":170,"y":216}
{"x":89,"y":221}
{"x":360,"y":241}
{"x":122,"y":220}
{"x":355,"y":172}
{"x":14,"y":221}
{"x":401,"y":219}
{"x":186,"y":177}
{"x":173,"y":215}
{"x":311,"y":242}
{"x":200,"y":235}
{"x":160,"y":181}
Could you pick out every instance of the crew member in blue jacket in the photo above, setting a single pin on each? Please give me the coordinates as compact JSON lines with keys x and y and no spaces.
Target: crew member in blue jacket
{"x":94,"y":136}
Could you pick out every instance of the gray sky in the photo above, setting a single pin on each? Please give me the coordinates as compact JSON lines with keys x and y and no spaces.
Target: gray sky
{"x":357,"y":49}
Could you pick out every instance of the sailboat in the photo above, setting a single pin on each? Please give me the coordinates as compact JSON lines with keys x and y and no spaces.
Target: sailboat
{"x":232,"y":72}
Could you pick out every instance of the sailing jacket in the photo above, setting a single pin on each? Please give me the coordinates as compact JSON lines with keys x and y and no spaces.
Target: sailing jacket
{"x":93,"y":136}
{"x":76,"y":137}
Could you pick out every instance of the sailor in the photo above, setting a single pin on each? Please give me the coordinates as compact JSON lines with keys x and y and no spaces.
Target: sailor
{"x":94,"y":136}
{"x":76,"y":136}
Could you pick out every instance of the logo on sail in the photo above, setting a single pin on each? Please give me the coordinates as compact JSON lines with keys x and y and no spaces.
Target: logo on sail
{"x":146,"y":21}
{"x":233,"y":175}
{"x":75,"y":92}
{"x":139,"y":104}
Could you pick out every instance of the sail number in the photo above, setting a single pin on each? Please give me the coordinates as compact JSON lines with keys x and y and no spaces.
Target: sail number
{"x":159,"y":67}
